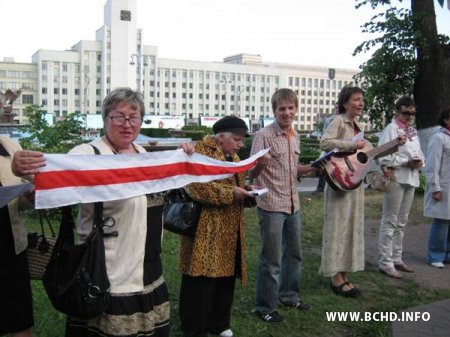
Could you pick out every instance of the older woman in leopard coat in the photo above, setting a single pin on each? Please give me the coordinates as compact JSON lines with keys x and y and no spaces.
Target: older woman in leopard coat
{"x":212,"y":259}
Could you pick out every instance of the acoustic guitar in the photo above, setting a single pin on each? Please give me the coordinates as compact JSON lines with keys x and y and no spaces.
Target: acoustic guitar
{"x":345,"y":171}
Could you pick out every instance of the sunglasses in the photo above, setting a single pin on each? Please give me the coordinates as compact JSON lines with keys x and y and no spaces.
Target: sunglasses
{"x":407,"y":113}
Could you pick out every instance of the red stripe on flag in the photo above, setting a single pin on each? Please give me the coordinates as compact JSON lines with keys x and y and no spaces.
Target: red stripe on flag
{"x":73,"y":178}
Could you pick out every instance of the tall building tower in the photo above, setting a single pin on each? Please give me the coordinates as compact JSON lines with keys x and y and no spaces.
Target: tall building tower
{"x":122,"y":42}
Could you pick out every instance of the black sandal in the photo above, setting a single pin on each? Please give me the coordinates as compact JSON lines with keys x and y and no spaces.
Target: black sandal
{"x":338,"y":290}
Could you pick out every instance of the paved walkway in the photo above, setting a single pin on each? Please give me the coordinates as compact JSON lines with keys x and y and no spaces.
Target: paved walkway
{"x":414,"y":255}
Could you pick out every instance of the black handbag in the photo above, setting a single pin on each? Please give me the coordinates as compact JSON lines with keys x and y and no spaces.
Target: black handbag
{"x":75,"y":279}
{"x":180,"y":213}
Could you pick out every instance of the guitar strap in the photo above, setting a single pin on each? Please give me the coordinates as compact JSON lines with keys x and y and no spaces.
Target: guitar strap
{"x":356,"y":128}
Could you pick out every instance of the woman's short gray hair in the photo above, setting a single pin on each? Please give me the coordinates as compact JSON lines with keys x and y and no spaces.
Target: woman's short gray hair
{"x":123,"y":95}
{"x":226,"y":135}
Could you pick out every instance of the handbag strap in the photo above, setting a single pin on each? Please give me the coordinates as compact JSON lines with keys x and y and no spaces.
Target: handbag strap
{"x":98,"y":206}
{"x":43,"y":214}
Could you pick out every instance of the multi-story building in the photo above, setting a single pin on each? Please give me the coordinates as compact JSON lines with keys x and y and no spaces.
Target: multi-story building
{"x":19,"y":76}
{"x":74,"y":80}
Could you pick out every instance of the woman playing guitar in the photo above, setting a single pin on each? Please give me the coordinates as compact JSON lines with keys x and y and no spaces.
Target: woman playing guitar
{"x":343,"y":232}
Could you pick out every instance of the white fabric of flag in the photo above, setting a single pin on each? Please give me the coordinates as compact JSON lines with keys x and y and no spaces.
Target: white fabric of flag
{"x":71,"y":178}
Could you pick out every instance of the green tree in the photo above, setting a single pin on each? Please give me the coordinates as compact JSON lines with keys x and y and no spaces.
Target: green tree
{"x":412,"y":58}
{"x":59,"y":138}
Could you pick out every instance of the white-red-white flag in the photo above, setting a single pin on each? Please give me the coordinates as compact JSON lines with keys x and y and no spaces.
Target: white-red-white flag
{"x":71,"y":179}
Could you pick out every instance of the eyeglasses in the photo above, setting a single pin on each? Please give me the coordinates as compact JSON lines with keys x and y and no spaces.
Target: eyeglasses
{"x":120,"y":120}
{"x":407,"y":113}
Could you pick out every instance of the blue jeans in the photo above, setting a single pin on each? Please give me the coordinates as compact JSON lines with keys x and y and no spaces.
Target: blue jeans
{"x":280,"y":262}
{"x":439,"y":241}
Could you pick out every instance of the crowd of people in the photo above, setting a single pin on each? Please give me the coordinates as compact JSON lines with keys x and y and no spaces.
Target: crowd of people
{"x":212,"y":260}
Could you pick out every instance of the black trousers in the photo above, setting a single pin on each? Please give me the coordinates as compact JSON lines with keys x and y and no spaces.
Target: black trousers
{"x":16,"y":303}
{"x":205,"y":304}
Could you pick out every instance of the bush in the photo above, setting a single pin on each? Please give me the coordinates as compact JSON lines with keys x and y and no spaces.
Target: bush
{"x":156,"y":132}
{"x":421,"y":189}
{"x":244,"y":152}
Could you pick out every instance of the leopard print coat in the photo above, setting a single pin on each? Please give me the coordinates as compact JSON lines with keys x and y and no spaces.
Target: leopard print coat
{"x":213,"y":251}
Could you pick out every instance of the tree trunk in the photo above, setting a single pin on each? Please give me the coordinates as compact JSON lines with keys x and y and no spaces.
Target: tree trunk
{"x":432,"y":83}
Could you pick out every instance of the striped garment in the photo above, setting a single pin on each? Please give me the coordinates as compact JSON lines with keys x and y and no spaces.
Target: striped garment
{"x":280,"y":175}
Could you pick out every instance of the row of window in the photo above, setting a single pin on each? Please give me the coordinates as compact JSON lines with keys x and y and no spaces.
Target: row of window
{"x":64,"y":102}
{"x":202,"y":107}
{"x":64,"y":91}
{"x":18,"y":74}
{"x":316,"y":83}
{"x":55,"y":65}
{"x":218,"y":76}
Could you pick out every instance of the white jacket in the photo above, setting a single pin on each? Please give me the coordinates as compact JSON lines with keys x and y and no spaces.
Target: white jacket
{"x":437,"y":174}
{"x":411,"y":149}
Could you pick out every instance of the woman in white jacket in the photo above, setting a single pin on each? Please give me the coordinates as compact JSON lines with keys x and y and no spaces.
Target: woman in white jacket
{"x":437,"y":192}
{"x":398,"y":198}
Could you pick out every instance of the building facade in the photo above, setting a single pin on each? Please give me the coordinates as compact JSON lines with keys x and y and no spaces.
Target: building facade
{"x":76,"y":80}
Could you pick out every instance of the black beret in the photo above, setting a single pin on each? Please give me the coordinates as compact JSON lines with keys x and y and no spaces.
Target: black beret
{"x":231,"y":124}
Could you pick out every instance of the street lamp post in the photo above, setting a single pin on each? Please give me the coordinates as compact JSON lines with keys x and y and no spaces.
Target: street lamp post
{"x":138,"y":58}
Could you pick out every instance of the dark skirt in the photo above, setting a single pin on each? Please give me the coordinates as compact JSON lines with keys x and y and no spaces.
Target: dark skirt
{"x":145,"y":313}
{"x":16,"y":304}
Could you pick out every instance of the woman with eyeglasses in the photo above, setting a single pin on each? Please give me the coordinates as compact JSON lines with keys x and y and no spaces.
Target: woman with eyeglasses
{"x":403,"y":167}
{"x":139,"y":298}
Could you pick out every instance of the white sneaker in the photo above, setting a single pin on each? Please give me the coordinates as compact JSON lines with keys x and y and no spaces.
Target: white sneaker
{"x":226,"y":333}
{"x":439,"y":265}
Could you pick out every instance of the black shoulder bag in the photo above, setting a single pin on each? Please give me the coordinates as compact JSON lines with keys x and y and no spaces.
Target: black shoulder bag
{"x":181,"y":213}
{"x":75,"y":279}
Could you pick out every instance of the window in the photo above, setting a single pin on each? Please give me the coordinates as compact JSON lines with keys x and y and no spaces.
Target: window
{"x":27,"y":99}
{"x":64,"y":91}
{"x":125,"y":15}
{"x":44,"y":90}
{"x":77,"y":91}
{"x":56,"y":91}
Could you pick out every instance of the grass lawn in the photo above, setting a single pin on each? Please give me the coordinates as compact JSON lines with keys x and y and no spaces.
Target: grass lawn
{"x":378,"y":294}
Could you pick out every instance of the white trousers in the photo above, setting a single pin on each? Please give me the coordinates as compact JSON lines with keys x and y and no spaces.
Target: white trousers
{"x":396,"y":205}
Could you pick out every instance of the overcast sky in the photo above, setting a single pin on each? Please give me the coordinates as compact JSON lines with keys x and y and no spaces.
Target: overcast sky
{"x":307,"y":32}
